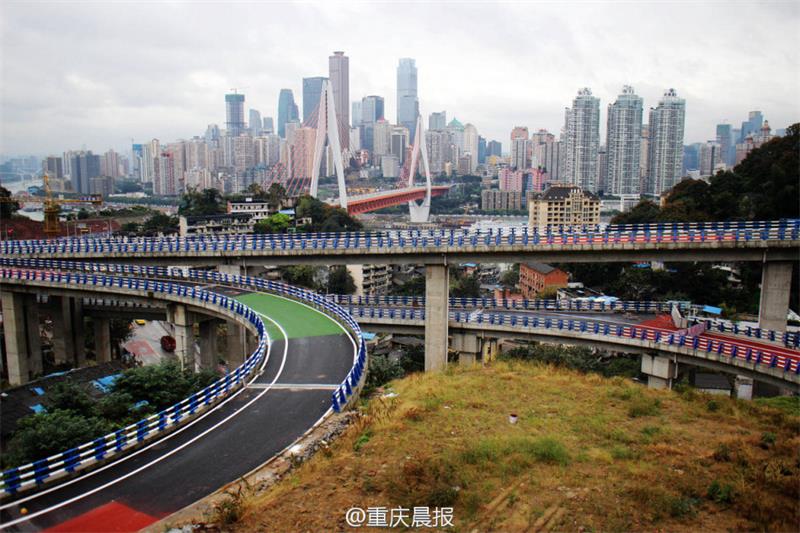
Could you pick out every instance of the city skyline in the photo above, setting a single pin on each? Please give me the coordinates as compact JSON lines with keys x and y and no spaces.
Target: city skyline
{"x":61,"y":92}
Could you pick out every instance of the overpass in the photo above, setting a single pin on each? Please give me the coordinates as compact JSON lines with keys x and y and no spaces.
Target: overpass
{"x":776,"y":244}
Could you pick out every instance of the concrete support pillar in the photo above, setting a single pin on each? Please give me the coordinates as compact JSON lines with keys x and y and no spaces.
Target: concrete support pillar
{"x":743,"y":387}
{"x":232,"y":270}
{"x":34,"y":334}
{"x":437,"y":291}
{"x":468,"y":346}
{"x":179,"y":317}
{"x":208,"y":343}
{"x":776,"y":282}
{"x":102,"y":339}
{"x":660,"y":371}
{"x":18,"y":349}
{"x":69,"y":345}
{"x":236,"y":343}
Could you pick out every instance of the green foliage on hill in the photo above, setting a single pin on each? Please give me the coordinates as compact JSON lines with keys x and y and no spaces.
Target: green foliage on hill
{"x":765,"y":186}
{"x":325,"y":217}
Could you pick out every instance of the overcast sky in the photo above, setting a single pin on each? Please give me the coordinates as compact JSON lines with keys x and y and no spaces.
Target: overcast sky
{"x":98,"y":74}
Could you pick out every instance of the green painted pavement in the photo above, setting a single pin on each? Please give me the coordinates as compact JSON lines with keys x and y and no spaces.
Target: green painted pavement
{"x":297,"y":319}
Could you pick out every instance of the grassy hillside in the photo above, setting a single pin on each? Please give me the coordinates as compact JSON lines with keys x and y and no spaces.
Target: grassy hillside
{"x":587,"y":453}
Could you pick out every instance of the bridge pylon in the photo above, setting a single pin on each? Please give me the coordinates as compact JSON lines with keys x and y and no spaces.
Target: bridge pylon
{"x":327,"y":127}
{"x":420,"y":212}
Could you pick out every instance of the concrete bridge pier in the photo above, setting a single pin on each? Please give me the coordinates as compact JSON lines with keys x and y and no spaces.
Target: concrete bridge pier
{"x":208,"y":343}
{"x":23,"y":337}
{"x":102,"y":339}
{"x":776,"y":284}
{"x":236,"y":341}
{"x":180,"y":318}
{"x":437,"y":290}
{"x":469,"y":347}
{"x":660,"y":371}
{"x":232,"y":269}
{"x":743,"y":387}
{"x":69,"y":345}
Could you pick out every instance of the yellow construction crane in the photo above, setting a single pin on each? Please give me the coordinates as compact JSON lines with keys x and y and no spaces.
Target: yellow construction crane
{"x":52,"y":206}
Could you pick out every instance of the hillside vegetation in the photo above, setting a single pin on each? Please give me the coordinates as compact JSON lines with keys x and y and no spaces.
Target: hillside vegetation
{"x":588,"y":453}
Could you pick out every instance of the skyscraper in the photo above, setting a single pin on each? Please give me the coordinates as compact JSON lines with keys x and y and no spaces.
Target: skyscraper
{"x":582,"y":140}
{"x":269,"y":125}
{"x":234,"y":114}
{"x":495,"y":148}
{"x":372,"y":108}
{"x":407,"y":101}
{"x":471,"y":145}
{"x":83,"y":166}
{"x":752,"y":125}
{"x":355,"y":114}
{"x":727,"y":146}
{"x":312,"y":89}
{"x":287,"y":110}
{"x":709,"y":157}
{"x":339,"y":75}
{"x":437,"y":121}
{"x":481,"y":150}
{"x":665,"y":155}
{"x":624,"y":143}
{"x":255,"y":123}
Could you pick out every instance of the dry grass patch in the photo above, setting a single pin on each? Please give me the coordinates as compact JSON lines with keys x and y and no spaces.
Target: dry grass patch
{"x":602,"y":454}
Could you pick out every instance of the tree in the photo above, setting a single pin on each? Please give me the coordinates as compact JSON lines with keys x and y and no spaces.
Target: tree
{"x":68,"y":396}
{"x":277,"y":223}
{"x":302,"y":275}
{"x":45,"y":434}
{"x":412,"y":287}
{"x":466,"y":286}
{"x":204,"y":203}
{"x":325,"y":217}
{"x":276,"y":194}
{"x":160,"y":223}
{"x":340,"y":281}
{"x":7,"y":207}
{"x":510,"y":277}
{"x":161,"y":385}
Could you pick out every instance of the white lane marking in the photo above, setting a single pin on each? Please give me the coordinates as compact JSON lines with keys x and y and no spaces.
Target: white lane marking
{"x":327,"y":386}
{"x":150,"y":445}
{"x":171,"y":452}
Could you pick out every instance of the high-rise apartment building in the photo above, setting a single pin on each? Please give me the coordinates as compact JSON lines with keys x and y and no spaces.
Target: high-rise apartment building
{"x":83,"y":166}
{"x":437,"y":121}
{"x":355,"y":114}
{"x":312,"y":90}
{"x":546,"y":153}
{"x":471,"y":145}
{"x":234,"y":114}
{"x":644,"y":154}
{"x":624,"y":143}
{"x":255,"y":123}
{"x":399,"y":143}
{"x":54,"y":166}
{"x":382,"y":140}
{"x":287,"y":110}
{"x":519,"y":153}
{"x":582,"y":140}
{"x":372,"y":110}
{"x":435,"y":141}
{"x":339,"y":75}
{"x":709,"y":157}
{"x":665,"y":154}
{"x":407,"y":99}
{"x":727,"y":145}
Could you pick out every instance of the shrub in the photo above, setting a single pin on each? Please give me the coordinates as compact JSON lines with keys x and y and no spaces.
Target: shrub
{"x":720,"y":493}
{"x":768,"y":439}
{"x":644,"y":406}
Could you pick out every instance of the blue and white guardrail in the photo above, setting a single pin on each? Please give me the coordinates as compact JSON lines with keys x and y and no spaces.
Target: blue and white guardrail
{"x":433,"y":239}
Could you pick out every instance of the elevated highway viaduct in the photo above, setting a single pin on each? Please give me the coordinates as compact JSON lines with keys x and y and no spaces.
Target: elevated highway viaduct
{"x":775,"y":244}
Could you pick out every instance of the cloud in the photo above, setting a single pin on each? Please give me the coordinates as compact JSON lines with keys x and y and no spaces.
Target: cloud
{"x":101,"y":74}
